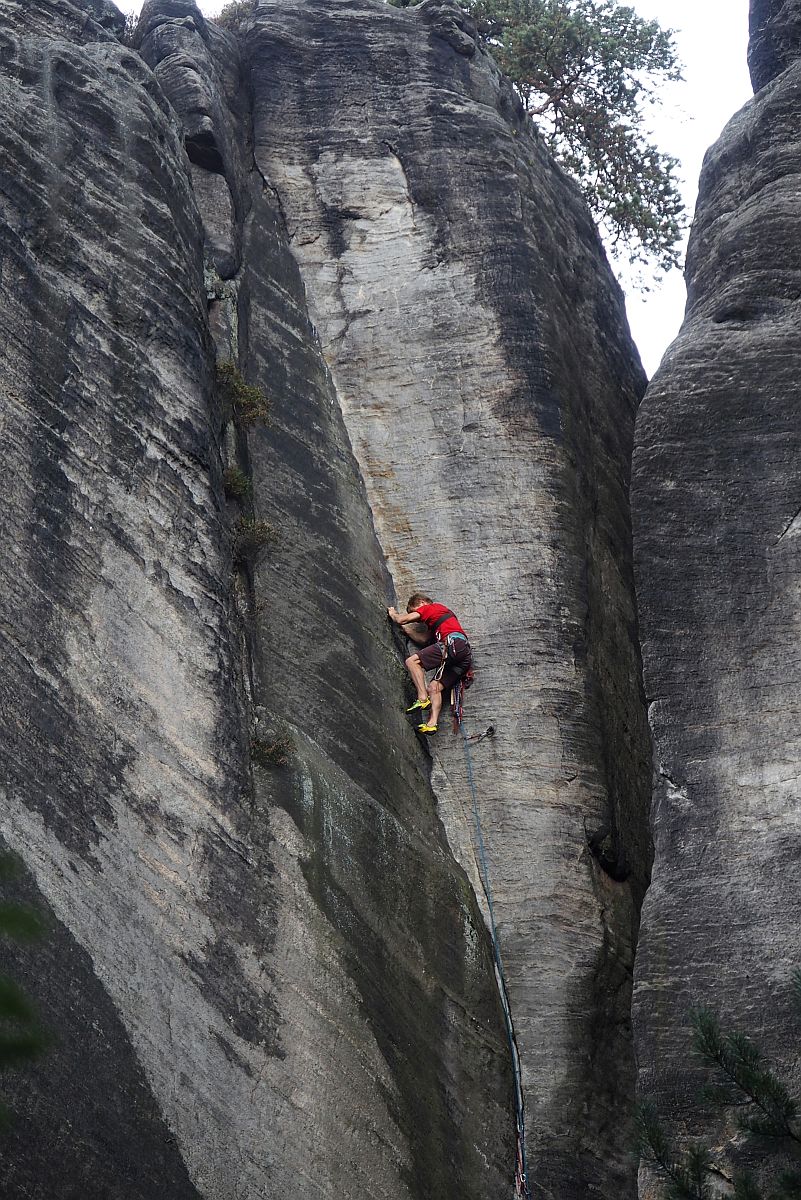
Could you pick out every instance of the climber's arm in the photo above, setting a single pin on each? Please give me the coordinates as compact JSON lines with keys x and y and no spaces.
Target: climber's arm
{"x":402,"y":618}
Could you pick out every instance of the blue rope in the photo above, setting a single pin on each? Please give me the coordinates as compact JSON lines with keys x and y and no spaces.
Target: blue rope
{"x":521,"y":1174}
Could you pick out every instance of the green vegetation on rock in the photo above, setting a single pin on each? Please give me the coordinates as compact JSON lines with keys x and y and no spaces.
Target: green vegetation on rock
{"x":128,"y":37}
{"x":232,"y":15}
{"x":276,"y":753}
{"x":248,"y":403}
{"x":250,"y":538}
{"x":236,"y":483}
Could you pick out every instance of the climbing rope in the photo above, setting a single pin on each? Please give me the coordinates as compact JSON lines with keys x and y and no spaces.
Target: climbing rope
{"x":521,"y":1170}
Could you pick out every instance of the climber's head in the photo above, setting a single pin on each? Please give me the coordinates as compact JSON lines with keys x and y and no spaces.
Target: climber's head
{"x":417,"y":598}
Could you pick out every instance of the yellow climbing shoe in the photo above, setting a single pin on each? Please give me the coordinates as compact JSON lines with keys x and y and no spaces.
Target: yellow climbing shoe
{"x":419,"y":705}
{"x":426,"y":729}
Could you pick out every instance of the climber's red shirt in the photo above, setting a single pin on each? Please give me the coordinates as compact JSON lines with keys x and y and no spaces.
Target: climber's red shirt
{"x":430,"y":614}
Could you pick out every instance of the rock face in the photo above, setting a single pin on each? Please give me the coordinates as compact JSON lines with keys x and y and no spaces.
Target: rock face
{"x":775,"y":42}
{"x":377,"y":929}
{"x":715,"y":496}
{"x":273,"y":978}
{"x":257,"y":986}
{"x":123,"y":739}
{"x":479,"y":352}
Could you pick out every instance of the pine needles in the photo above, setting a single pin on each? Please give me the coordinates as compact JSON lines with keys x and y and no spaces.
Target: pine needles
{"x":766,"y":1110}
{"x":247,"y":403}
{"x":770,"y":1110}
{"x":687,"y":1179}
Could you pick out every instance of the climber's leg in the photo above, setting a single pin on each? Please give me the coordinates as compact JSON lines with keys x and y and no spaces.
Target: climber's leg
{"x":435,"y":691}
{"x":415,"y":669}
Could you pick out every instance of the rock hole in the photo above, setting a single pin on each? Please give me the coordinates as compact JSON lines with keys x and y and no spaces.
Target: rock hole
{"x":609,"y":857}
{"x":202,"y":150}
{"x":737,"y":314}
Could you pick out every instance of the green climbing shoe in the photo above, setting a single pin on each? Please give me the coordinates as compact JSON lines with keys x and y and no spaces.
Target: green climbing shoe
{"x":419,"y":705}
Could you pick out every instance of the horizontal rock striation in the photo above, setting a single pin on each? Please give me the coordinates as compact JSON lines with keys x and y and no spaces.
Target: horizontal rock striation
{"x":479,"y":351}
{"x":716,"y":496}
{"x":266,"y":970}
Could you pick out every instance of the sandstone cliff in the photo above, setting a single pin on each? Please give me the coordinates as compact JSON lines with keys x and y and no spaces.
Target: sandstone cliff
{"x":271,"y":982}
{"x":479,"y":352}
{"x":276,"y":980}
{"x":716,"y":496}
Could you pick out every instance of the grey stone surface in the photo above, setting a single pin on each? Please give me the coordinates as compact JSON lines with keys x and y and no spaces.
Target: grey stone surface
{"x":480,"y":356}
{"x":283,"y":970}
{"x":197,"y":65}
{"x":775,"y":41}
{"x":716,"y":494}
{"x":77,"y":21}
{"x":287,"y":985}
{"x":378,"y":934}
{"x":124,"y":750}
{"x":83,"y":1118}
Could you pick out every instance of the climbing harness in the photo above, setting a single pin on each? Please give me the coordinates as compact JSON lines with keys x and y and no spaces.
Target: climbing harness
{"x":458,"y":690}
{"x":441,"y":621}
{"x":521,"y":1170}
{"x":463,"y":674}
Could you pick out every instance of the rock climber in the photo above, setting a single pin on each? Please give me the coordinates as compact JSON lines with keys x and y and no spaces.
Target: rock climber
{"x":447,"y":654}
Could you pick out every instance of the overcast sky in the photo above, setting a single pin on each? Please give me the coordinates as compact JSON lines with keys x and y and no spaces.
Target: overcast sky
{"x":712,"y":37}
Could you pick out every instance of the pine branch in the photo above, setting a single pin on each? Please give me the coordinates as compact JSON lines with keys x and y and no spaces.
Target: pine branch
{"x":740,"y":1061}
{"x":684,"y":1182}
{"x":587,"y":70}
{"x":698,"y":1161}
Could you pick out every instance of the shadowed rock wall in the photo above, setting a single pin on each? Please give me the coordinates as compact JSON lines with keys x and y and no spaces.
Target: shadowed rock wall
{"x":480,"y":356}
{"x":716,"y":495}
{"x":775,"y":41}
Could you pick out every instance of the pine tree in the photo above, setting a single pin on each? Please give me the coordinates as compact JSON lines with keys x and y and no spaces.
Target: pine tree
{"x":588,"y":71}
{"x":766,"y":1111}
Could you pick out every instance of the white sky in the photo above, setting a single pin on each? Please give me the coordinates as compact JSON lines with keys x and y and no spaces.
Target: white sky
{"x":712,"y":38}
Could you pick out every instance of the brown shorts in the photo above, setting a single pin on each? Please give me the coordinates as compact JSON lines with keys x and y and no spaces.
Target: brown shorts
{"x":432,"y":659}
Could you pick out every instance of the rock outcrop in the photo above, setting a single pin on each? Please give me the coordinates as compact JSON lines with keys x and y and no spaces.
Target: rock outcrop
{"x":480,"y":355}
{"x":268,"y":968}
{"x":286,"y":986}
{"x":123,"y":744}
{"x":775,"y":41}
{"x":716,"y":495}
